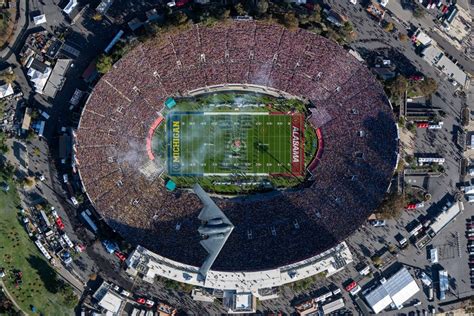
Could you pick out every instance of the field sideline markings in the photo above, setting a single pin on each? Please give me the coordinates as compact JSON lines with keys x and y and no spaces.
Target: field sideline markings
{"x":236,"y":113}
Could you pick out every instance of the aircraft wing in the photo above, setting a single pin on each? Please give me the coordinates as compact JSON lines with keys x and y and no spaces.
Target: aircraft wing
{"x":213,"y":246}
{"x":210,"y":209}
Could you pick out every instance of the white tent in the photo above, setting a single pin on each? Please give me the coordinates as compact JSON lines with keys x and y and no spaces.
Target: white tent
{"x":39,"y":19}
{"x":39,"y":78}
{"x":394,"y":291}
{"x":70,"y":6}
{"x":6,"y":90}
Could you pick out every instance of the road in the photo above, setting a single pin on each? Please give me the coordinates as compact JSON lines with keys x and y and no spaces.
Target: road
{"x":427,"y":24}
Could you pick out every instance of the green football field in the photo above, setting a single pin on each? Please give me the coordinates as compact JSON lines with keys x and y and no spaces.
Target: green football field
{"x":221,"y":143}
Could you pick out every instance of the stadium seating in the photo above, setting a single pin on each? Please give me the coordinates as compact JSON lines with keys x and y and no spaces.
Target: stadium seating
{"x":350,"y":174}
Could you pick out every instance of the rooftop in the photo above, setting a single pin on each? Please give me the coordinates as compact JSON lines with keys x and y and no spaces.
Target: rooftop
{"x":57,"y":79}
{"x":151,"y":264}
{"x":395,"y":291}
{"x":434,"y":55}
{"x":107,"y":299}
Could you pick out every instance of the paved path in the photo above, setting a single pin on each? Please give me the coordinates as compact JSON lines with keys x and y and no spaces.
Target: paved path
{"x":10,"y":297}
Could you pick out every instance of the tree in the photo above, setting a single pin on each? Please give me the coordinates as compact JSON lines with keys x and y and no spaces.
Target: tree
{"x":180,"y":18}
{"x":348,"y":32}
{"x":391,"y":248}
{"x":2,"y":108}
{"x":290,"y":20}
{"x":4,"y":148}
{"x":315,"y":16}
{"x":418,"y":12}
{"x":388,"y":27}
{"x":398,"y":86}
{"x":403,"y":37}
{"x":7,"y":170}
{"x":428,"y":86}
{"x":29,"y":182}
{"x":70,"y":298}
{"x":34,"y":114}
{"x":223,"y":15}
{"x":303,"y":284}
{"x":104,"y":63}
{"x":262,"y":7}
{"x":97,"y":17}
{"x":377,"y":260}
{"x":239,"y":9}
{"x":332,"y":35}
{"x":392,"y":205}
{"x":8,"y":76}
{"x":3,"y":145}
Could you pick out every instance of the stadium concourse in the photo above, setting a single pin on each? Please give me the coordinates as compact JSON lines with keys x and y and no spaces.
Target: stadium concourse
{"x":349,"y":177}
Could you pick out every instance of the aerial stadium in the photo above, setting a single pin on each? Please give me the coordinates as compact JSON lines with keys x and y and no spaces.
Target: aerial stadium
{"x":298,"y":128}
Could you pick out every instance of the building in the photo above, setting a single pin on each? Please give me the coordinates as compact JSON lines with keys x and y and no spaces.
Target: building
{"x":39,"y":19}
{"x":148,"y":265}
{"x":394,"y":291}
{"x":202,"y":295}
{"x":376,"y":10}
{"x":70,"y":6}
{"x":25,"y":125}
{"x":104,"y":6}
{"x":57,"y":78}
{"x":108,"y":300}
{"x":39,"y":74}
{"x":443,"y":284}
{"x":421,"y":38}
{"x":166,"y":310}
{"x":6,"y":90}
{"x":333,"y":306}
{"x":434,"y":255}
{"x":309,"y":307}
{"x":436,"y":57}
{"x":445,"y":217}
{"x":239,"y":302}
{"x":429,"y":160}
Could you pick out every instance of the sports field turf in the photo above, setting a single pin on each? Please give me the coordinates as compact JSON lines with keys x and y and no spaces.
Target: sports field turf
{"x":224,"y":143}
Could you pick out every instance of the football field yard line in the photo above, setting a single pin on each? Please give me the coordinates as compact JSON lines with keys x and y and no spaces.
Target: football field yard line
{"x":266,"y":141}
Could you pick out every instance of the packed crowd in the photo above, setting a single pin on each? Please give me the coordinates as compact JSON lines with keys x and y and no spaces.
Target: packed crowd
{"x":350,"y":179}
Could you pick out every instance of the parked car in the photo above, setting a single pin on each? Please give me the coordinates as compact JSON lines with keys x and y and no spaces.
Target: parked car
{"x":120,"y":255}
{"x":110,"y":246}
{"x":125,"y":293}
{"x":150,"y":303}
{"x":378,"y":222}
{"x":59,"y":223}
{"x":74,"y":201}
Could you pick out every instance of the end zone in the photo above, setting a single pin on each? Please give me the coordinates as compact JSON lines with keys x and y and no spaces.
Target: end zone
{"x":149,"y":138}
{"x":297,"y":144}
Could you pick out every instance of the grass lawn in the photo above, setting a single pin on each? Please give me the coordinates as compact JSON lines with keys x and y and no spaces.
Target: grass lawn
{"x":40,"y":287}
